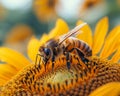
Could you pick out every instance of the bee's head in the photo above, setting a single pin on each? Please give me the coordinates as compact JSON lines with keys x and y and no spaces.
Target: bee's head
{"x":45,"y":53}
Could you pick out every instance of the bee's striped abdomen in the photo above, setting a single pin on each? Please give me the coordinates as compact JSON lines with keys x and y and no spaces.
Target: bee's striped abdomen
{"x":72,"y":42}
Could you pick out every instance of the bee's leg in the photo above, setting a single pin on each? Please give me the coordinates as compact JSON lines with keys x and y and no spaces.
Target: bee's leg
{"x":53,"y":61}
{"x":39,"y":66}
{"x":36,"y":58}
{"x":68,"y":60}
{"x":81,"y":55}
{"x":39,"y":63}
{"x":45,"y":67}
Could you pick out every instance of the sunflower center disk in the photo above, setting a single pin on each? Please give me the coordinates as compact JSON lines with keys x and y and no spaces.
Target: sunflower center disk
{"x":80,"y":80}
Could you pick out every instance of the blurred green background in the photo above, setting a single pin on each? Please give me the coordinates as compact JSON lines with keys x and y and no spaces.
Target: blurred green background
{"x":21,"y":19}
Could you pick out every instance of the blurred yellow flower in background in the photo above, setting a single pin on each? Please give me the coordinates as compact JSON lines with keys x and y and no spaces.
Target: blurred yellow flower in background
{"x":19,"y":33}
{"x":45,"y":9}
{"x":118,"y":2}
{"x":89,"y":4}
{"x":18,"y":37}
{"x":3,"y":12}
{"x":32,"y":79}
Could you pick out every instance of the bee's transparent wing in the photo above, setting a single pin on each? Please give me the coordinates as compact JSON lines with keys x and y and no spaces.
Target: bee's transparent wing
{"x":73,"y":32}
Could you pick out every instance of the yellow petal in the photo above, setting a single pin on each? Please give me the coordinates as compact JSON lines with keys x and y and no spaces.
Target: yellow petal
{"x":99,"y":35}
{"x":116,"y":56}
{"x":86,"y":34}
{"x":2,"y":82}
{"x":111,"y":43}
{"x":6,"y":73}
{"x":13,"y":57}
{"x":33,"y":47}
{"x":43,"y":39}
{"x":110,"y":89}
{"x":60,"y":29}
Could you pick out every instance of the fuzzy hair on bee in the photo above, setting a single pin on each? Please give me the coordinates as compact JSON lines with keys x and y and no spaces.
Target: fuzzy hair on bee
{"x":65,"y":45}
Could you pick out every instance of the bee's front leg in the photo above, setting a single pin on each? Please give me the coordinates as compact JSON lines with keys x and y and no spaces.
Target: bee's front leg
{"x":37,"y":59}
{"x":53,"y":61}
{"x":68,"y":60}
{"x":67,"y":54}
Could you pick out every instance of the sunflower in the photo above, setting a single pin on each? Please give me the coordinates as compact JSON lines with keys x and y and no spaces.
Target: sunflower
{"x":18,"y":33}
{"x":99,"y":77}
{"x":90,"y":3}
{"x":3,"y":12}
{"x":118,"y":2}
{"x":45,"y":9}
{"x":18,"y":37}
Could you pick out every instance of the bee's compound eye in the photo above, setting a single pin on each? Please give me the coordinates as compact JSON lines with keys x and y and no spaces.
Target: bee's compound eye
{"x":47,"y":51}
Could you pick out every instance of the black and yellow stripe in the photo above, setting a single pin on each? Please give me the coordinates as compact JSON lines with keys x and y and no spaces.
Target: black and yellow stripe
{"x":72,"y":43}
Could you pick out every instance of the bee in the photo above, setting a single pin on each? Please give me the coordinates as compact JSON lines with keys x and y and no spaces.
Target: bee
{"x":66,"y":44}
